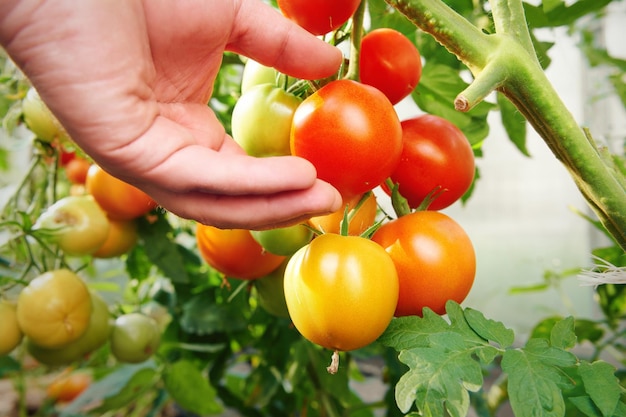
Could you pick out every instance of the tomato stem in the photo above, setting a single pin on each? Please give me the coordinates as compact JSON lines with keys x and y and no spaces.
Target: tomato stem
{"x":355,"y":42}
{"x":334,"y":363}
{"x":506,"y":62}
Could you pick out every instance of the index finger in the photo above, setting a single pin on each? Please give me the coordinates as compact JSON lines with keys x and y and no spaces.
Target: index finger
{"x":260,"y":32}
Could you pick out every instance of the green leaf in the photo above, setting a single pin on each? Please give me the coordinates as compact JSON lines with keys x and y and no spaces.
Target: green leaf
{"x":562,"y":335}
{"x":161,"y":249}
{"x":489,"y":329}
{"x":8,"y":365}
{"x":439,"y":377}
{"x":535,"y":380}
{"x":514,"y":123}
{"x":201,"y":317}
{"x":190,"y":389}
{"x":601,"y":385}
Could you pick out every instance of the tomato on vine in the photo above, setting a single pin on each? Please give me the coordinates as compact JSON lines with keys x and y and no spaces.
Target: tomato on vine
{"x":436,"y":156}
{"x":351,"y":133}
{"x":54,"y":309}
{"x":69,"y":385}
{"x":235,"y":253}
{"x":341,"y":291}
{"x":10,"y":332}
{"x":434,"y":258}
{"x":261,"y":120}
{"x":118,"y":198}
{"x":390,"y":62}
{"x":135,"y":337}
{"x":321,"y":16}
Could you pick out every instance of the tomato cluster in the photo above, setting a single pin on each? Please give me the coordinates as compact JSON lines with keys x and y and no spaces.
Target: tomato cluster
{"x":341,"y":278}
{"x":62,"y":321}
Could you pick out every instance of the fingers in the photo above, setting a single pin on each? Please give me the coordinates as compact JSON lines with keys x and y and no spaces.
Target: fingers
{"x":252,"y":211}
{"x":263,"y":34}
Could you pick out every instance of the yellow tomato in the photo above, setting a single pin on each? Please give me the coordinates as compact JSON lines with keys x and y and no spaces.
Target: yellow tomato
{"x":54,"y":309}
{"x":10,"y":332}
{"x":341,"y":291}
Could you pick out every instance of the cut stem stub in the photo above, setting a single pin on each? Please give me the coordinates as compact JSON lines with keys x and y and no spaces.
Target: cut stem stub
{"x":334,"y":363}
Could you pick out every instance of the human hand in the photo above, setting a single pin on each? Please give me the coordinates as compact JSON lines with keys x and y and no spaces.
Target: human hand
{"x":130,"y":82}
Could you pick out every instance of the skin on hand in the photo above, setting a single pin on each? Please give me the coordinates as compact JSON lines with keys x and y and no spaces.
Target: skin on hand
{"x":130,"y":82}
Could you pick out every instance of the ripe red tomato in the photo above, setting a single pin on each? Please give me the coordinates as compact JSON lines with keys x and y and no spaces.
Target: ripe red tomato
{"x":351,"y":133}
{"x":341,"y":291}
{"x":235,"y":253}
{"x":321,"y":16}
{"x":434,"y":258}
{"x":435,"y":154}
{"x":390,"y":62}
{"x":119,"y":199}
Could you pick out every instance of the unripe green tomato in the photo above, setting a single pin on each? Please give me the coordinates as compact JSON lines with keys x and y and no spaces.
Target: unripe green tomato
{"x":284,"y":241}
{"x":39,"y":119}
{"x":76,"y":223}
{"x":255,"y":73}
{"x":261,"y":120}
{"x":271,"y":293}
{"x":135,"y":338}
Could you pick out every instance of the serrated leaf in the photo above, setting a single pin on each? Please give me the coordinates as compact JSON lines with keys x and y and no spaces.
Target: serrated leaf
{"x":489,"y":329}
{"x":535,"y":380}
{"x":412,"y":331}
{"x":562,"y":334}
{"x":190,"y":389}
{"x":602,"y":385}
{"x":439,"y":377}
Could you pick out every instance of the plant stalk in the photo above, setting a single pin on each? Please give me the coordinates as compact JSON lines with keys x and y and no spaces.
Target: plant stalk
{"x":506,"y":62}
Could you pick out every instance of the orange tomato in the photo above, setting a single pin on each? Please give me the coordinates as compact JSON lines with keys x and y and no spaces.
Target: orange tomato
{"x":122,"y":237}
{"x":76,"y":170}
{"x":363,"y":218}
{"x":434,"y":257}
{"x":68,"y":386}
{"x":119,"y":199}
{"x":235,"y":253}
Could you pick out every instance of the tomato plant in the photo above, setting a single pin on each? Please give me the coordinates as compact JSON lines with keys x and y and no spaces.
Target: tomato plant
{"x":319,"y":17}
{"x":341,"y":291}
{"x":349,"y":125}
{"x":434,"y":257}
{"x":76,"y":224}
{"x":54,"y":309}
{"x":390,"y":62}
{"x":10,"y":332}
{"x":436,"y":156}
{"x":119,"y":199}
{"x":361,"y":216}
{"x":134,"y":338}
{"x":261,"y":120}
{"x":235,"y":253}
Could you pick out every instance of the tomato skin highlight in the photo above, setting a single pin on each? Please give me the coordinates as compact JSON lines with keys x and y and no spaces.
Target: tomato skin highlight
{"x":341,"y":291}
{"x":435,"y":153}
{"x":321,"y":16}
{"x":434,"y":258}
{"x":235,"y":253}
{"x":390,"y":62}
{"x":351,"y":133}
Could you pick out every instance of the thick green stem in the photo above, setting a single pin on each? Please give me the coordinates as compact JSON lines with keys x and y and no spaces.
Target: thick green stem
{"x":506,"y":61}
{"x":355,"y":42}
